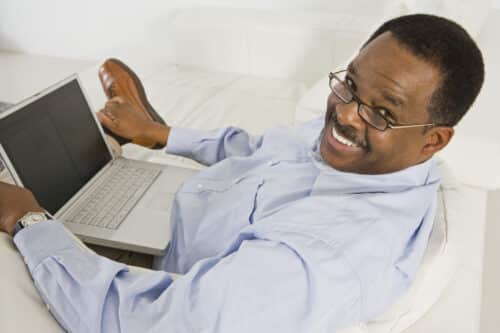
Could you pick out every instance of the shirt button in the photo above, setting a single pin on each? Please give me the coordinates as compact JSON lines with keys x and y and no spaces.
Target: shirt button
{"x":200,"y":186}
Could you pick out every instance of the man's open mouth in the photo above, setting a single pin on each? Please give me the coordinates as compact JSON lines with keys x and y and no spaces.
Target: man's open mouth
{"x":343,"y":140}
{"x":340,"y":138}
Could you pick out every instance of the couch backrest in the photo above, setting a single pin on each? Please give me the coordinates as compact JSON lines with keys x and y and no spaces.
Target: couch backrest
{"x":296,"y":45}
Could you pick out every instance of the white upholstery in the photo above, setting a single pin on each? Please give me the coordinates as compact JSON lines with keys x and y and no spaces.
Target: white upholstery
{"x":278,"y":44}
{"x":470,"y":15}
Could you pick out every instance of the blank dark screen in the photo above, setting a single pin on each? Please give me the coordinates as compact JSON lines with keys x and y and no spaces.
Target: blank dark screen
{"x":54,"y":145}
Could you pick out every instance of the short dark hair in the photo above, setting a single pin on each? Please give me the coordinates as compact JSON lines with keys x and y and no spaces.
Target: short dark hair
{"x":446,"y":45}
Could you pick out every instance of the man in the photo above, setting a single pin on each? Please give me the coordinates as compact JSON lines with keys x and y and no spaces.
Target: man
{"x":300,"y":230}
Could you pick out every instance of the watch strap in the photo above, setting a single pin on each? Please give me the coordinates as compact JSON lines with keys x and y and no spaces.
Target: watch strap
{"x":20,"y":225}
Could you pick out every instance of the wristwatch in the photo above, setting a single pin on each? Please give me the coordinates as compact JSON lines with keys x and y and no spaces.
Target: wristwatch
{"x":31,"y":218}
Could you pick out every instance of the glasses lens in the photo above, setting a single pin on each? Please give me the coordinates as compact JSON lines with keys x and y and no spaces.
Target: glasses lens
{"x":340,"y":89}
{"x":373,"y":118}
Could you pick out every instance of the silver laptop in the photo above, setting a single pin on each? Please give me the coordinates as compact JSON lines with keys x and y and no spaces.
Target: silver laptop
{"x":53,"y":144}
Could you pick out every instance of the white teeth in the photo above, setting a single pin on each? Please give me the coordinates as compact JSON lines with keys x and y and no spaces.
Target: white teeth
{"x":343,"y":140}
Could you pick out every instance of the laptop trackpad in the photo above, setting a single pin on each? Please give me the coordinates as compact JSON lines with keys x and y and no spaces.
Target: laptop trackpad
{"x":161,"y":201}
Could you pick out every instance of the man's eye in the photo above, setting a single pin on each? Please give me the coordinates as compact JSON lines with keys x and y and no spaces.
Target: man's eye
{"x":386,"y":114}
{"x":350,"y":83}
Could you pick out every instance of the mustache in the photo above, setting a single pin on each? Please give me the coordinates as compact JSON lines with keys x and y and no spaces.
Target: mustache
{"x":348,"y":132}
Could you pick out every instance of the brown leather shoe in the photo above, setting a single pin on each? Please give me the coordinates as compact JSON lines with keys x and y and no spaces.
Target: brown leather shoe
{"x":118,"y":79}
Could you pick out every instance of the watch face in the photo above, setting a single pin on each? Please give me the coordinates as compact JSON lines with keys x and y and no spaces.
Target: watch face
{"x":32,"y":218}
{"x":38,"y":217}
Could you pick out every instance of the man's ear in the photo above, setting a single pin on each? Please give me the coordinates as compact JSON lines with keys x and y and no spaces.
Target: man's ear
{"x":436,"y":139}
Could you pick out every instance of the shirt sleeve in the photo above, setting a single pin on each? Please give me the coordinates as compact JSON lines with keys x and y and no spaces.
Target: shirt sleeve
{"x":264,"y":286}
{"x":209,"y":147}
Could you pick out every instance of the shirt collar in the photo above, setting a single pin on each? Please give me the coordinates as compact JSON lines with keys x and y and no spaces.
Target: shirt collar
{"x":347,"y":182}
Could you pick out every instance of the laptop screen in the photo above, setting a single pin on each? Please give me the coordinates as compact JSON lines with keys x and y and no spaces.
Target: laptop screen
{"x":54,"y":145}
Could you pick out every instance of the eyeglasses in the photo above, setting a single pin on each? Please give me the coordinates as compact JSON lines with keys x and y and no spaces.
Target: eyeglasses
{"x":373,"y":117}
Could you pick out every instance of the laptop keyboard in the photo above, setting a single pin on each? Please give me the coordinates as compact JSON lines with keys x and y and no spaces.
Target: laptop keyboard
{"x":112,"y":201}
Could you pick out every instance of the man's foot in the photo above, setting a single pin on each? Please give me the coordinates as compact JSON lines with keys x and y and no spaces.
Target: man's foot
{"x":118,"y":79}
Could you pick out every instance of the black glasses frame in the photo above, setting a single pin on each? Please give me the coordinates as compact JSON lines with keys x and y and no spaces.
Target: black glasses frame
{"x":354,"y":97}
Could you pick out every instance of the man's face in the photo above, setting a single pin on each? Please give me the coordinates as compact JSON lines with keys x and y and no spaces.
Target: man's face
{"x":386,"y":76}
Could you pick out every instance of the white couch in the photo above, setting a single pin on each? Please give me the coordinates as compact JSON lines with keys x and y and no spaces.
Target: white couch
{"x":257,"y":69}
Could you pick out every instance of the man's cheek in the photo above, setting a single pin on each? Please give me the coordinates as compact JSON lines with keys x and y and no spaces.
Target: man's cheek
{"x":380,"y":142}
{"x":382,"y":138}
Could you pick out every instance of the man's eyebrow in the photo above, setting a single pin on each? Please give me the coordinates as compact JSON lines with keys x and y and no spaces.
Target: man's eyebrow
{"x":351,"y":68}
{"x":394,"y":100}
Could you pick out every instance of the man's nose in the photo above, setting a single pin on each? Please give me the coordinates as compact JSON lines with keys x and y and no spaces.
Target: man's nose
{"x":347,"y":115}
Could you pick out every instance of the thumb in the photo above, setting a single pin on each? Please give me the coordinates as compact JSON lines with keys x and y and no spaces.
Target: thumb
{"x":105,"y":120}
{"x":117,"y":99}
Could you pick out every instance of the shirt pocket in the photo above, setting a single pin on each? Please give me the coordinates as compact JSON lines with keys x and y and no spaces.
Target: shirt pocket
{"x":213,"y":212}
{"x":220,"y":201}
{"x":206,"y":185}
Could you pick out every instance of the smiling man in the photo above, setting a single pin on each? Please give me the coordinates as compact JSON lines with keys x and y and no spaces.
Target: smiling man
{"x":309,"y":229}
{"x":387,"y":112}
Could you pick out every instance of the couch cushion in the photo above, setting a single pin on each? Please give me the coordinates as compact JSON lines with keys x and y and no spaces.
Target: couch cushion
{"x":202,"y":99}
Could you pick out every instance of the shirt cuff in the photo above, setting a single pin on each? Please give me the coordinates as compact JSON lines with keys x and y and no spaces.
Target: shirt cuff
{"x":182,"y":141}
{"x":42,"y":240}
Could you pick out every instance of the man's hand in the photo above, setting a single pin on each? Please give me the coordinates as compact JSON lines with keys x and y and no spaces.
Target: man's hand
{"x":15,"y":202}
{"x":121,"y":119}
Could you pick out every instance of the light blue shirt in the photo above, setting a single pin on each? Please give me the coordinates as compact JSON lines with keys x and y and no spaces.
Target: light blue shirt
{"x":270,"y":239}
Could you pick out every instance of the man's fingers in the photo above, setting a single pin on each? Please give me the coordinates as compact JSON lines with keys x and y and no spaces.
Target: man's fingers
{"x":116,"y":99}
{"x":114,"y":102}
{"x":105,"y":119}
{"x":110,"y":104}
